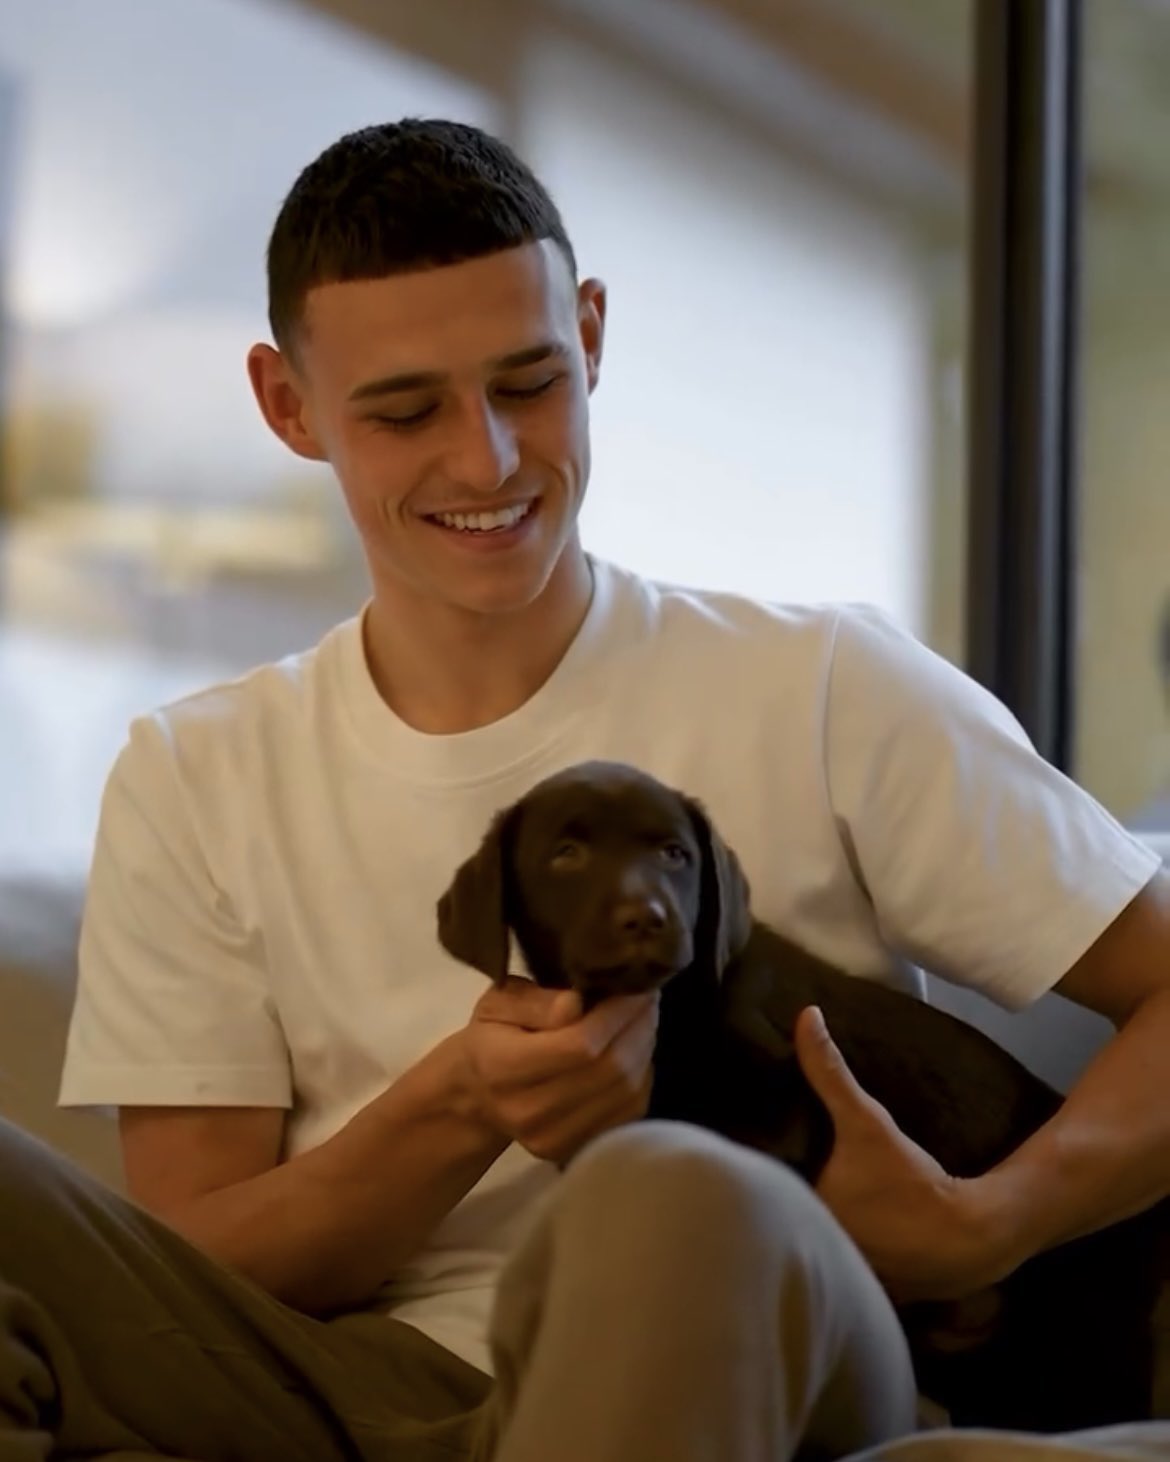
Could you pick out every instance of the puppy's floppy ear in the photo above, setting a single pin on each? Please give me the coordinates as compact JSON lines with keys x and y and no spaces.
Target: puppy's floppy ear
{"x":725,"y":915}
{"x":473,"y":916}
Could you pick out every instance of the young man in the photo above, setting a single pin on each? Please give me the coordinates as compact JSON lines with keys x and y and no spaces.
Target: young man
{"x":350,"y":1144}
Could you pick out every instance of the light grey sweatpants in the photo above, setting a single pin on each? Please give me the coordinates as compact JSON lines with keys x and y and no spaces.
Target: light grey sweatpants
{"x":677,"y":1298}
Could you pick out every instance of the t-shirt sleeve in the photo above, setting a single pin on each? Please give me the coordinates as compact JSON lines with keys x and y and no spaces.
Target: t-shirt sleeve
{"x":984,"y":864}
{"x":173,"y":1005}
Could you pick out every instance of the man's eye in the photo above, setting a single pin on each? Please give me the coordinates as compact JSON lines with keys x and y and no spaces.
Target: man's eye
{"x":528,"y":393}
{"x":567,"y":855}
{"x":676,"y":854}
{"x":404,"y":423}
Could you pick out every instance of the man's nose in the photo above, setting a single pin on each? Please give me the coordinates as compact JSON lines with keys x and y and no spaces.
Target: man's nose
{"x":483,"y":453}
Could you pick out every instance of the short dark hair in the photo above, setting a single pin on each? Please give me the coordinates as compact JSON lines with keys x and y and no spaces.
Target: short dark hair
{"x":400,"y":196}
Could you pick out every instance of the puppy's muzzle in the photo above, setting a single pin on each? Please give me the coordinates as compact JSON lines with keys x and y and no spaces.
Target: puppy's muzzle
{"x":636,"y":944}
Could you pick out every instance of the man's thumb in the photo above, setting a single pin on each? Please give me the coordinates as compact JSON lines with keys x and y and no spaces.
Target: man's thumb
{"x":566,"y":1007}
{"x":824,"y":1066}
{"x":524,"y":1003}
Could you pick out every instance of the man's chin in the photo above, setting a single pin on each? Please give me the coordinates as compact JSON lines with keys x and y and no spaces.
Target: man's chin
{"x":509,"y":583}
{"x":497,"y":595}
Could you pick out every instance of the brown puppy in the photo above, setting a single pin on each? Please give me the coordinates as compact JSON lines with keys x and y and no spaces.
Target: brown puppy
{"x":612,"y":882}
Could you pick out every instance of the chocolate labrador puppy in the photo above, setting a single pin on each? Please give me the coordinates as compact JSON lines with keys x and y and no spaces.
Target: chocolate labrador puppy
{"x":613,"y":882}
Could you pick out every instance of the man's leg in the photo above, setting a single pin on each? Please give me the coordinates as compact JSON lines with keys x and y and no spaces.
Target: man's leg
{"x":680,"y":1297}
{"x":116,"y":1334}
{"x":1137,"y":1442}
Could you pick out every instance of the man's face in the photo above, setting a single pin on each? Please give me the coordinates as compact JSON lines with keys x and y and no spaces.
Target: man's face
{"x":452,"y":404}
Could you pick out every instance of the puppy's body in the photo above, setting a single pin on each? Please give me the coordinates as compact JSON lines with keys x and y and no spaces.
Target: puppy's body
{"x":613,"y":882}
{"x":1068,"y":1343}
{"x":949,"y":1087}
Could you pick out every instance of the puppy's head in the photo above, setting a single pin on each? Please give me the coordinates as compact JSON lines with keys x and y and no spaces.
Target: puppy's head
{"x":612,"y":882}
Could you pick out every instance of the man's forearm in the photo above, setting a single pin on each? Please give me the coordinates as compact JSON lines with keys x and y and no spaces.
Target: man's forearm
{"x":324,"y":1229}
{"x":1103,"y":1157}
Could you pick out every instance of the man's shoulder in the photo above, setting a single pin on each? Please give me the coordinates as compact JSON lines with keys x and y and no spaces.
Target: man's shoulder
{"x":724,"y":617}
{"x":854,"y":655}
{"x":227,"y":720}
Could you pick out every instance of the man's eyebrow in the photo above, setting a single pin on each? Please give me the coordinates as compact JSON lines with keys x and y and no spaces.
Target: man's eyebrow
{"x":421,"y":380}
{"x":533,"y":355}
{"x":387,"y":385}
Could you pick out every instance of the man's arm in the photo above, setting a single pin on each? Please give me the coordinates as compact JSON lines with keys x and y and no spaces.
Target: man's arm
{"x":1104,"y":1156}
{"x":1106,"y":1153}
{"x":325,"y":1229}
{"x":987,"y":866}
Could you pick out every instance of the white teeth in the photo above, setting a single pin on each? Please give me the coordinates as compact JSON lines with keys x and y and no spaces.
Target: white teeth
{"x":485,"y":522}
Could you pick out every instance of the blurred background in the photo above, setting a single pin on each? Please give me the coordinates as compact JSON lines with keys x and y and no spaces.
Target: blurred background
{"x":796,"y":171}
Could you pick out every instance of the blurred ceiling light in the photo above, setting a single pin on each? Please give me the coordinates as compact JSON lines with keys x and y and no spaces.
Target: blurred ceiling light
{"x":77,"y":256}
{"x":65,"y":291}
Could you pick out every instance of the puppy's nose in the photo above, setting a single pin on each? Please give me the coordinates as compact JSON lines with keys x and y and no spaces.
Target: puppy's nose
{"x":638,"y":918}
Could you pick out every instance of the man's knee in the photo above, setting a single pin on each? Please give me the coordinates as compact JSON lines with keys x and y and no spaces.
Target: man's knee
{"x":685,"y":1183}
{"x":677,"y":1159}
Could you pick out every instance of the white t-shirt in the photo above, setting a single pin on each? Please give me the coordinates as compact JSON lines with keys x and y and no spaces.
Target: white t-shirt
{"x":260,"y":927}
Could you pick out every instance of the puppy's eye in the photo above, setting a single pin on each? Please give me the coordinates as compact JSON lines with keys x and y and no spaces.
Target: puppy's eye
{"x":676,"y":855}
{"x":567,"y":855}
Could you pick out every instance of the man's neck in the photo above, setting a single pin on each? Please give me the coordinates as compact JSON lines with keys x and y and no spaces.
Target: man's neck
{"x":443,"y":672}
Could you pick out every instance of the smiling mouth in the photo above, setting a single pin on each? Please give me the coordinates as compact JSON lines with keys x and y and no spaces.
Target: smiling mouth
{"x":500,"y":520}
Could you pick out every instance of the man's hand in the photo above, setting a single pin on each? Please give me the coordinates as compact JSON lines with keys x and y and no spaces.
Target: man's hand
{"x":551,"y":1078}
{"x":919,"y":1228}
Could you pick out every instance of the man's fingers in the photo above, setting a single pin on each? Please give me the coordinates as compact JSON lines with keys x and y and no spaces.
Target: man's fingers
{"x":541,"y":1034}
{"x":826,"y":1070}
{"x":524,"y":1003}
{"x":611,"y":1017}
{"x":634,"y":1045}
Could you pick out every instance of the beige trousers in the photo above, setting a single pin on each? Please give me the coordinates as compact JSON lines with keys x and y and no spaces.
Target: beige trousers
{"x":677,"y":1298}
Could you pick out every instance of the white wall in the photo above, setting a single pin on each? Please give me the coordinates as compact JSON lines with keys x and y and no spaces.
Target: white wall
{"x":156,"y":142}
{"x":763,"y":419}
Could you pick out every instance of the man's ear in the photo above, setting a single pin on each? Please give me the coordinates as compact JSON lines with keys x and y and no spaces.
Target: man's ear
{"x":725,"y":915}
{"x":473,"y":920}
{"x":280,"y":395}
{"x":591,"y":309}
